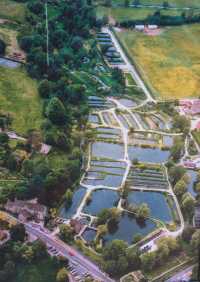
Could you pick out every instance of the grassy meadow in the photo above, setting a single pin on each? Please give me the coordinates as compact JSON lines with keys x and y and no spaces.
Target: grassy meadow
{"x":177,"y":3}
{"x":170,"y":62}
{"x":19,"y":96}
{"x":120,"y":14}
{"x":12,"y":10}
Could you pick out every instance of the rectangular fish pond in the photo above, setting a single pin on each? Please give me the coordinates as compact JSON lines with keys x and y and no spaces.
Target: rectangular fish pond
{"x":107,"y":150}
{"x":101,"y":199}
{"x":89,"y":235}
{"x":193,"y":179}
{"x":76,"y":200}
{"x":128,"y":227}
{"x":148,"y":154}
{"x":148,"y":177}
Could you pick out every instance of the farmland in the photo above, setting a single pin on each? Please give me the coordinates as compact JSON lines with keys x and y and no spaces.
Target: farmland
{"x":121,"y":13}
{"x":169,"y":61}
{"x":27,"y":112}
{"x":12,"y":10}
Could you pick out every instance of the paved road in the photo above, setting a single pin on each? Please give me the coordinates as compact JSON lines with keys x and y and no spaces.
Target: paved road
{"x":66,"y":250}
{"x":184,"y":275}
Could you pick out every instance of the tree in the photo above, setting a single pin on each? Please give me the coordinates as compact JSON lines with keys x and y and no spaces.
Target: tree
{"x":39,"y":249}
{"x":187,"y":233}
{"x":2,"y":47}
{"x":137,"y":237}
{"x":195,"y":242}
{"x":181,"y":124}
{"x":143,"y":211}
{"x":108,"y":3}
{"x":66,"y":233}
{"x":148,"y":261}
{"x":176,"y":173}
{"x":126,"y":3}
{"x":56,"y":111}
{"x":103,"y":216}
{"x":165,"y":4}
{"x":62,"y":275}
{"x":45,"y":88}
{"x":177,"y":149}
{"x":17,"y":232}
{"x":68,"y":198}
{"x":197,"y":187}
{"x":188,"y":204}
{"x":180,"y":188}
{"x":115,"y":260}
{"x":4,"y":139}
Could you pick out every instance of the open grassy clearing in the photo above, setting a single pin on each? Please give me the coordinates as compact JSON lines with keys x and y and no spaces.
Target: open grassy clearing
{"x":12,"y":10}
{"x":169,"y":63}
{"x":123,"y":14}
{"x":176,"y":3}
{"x":19,"y":96}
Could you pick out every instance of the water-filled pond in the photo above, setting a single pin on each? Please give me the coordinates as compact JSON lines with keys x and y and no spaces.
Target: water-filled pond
{"x":94,"y":118}
{"x":101,"y":199}
{"x":148,"y":154}
{"x":110,"y":164}
{"x":8,"y":63}
{"x":167,"y":140}
{"x":89,"y":234}
{"x":77,"y":197}
{"x":128,"y":227}
{"x":156,"y":202}
{"x":193,"y":179}
{"x":107,"y":150}
{"x":127,"y":102}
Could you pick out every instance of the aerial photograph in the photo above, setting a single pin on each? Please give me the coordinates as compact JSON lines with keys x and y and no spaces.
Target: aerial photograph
{"x":99,"y":140}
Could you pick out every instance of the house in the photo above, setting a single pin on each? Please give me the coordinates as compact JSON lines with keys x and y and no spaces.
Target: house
{"x":197,"y":217}
{"x":152,"y":26}
{"x":27,"y":209}
{"x":140,"y":27}
{"x":76,"y":225}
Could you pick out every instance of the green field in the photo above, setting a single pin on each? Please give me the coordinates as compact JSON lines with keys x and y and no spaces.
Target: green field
{"x":178,"y":3}
{"x":19,"y":96}
{"x":12,"y":10}
{"x":168,"y":63}
{"x":122,"y":14}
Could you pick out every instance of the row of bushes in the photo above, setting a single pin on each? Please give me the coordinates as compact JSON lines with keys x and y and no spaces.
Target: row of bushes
{"x":161,"y":20}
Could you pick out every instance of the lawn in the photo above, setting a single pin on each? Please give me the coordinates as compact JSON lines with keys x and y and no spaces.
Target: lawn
{"x":168,"y":63}
{"x":19,"y":97}
{"x":122,"y":14}
{"x":177,"y":3}
{"x":12,"y":10}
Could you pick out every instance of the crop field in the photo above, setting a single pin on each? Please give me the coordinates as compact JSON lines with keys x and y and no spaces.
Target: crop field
{"x":169,"y":61}
{"x":20,"y":99}
{"x":12,"y":10}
